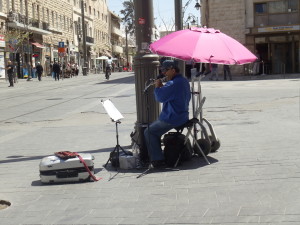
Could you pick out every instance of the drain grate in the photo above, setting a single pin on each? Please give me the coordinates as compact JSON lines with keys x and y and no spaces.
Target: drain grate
{"x":4,"y":204}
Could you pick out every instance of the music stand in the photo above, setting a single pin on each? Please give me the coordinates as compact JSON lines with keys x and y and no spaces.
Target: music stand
{"x":115,"y":116}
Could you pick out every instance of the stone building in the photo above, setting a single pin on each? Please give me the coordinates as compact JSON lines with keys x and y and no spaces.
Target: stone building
{"x":269,"y":27}
{"x":35,"y":30}
{"x":116,"y":39}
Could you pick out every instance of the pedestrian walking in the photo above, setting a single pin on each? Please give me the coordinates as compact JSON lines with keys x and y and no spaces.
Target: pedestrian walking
{"x":214,"y":72}
{"x":175,"y":96}
{"x":51,"y":70}
{"x":226,"y":70}
{"x":39,"y":70}
{"x":188,"y":67}
{"x":76,"y":69}
{"x":10,"y":73}
{"x":56,"y":70}
{"x":256,"y":64}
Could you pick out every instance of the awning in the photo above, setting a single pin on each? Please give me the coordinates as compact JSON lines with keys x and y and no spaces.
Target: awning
{"x":38,"y":45}
{"x":107,"y":53}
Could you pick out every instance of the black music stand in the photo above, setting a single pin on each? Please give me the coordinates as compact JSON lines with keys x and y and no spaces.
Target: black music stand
{"x":115,"y":116}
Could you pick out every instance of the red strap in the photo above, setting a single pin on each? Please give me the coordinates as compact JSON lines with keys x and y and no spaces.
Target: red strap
{"x":87,"y":168}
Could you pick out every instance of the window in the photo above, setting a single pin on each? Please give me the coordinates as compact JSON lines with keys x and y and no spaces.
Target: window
{"x":1,"y":3}
{"x":7,"y":6}
{"x":278,"y":7}
{"x":33,"y":11}
{"x":293,"y":5}
{"x":21,"y":7}
{"x":74,"y":2}
{"x":52,"y":13}
{"x":38,"y":12}
{"x":90,"y":10}
{"x":48,"y":16}
{"x":56,"y":20}
{"x":261,"y":8}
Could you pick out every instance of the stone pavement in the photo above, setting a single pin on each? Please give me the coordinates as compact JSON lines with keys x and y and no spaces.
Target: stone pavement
{"x":254,"y":177}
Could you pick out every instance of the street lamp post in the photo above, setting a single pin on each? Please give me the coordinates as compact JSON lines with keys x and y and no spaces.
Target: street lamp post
{"x":178,"y":26}
{"x":85,"y":64}
{"x":145,"y":68}
{"x":204,"y":12}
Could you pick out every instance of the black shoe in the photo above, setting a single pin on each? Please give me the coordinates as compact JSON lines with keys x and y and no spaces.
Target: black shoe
{"x":159,"y":164}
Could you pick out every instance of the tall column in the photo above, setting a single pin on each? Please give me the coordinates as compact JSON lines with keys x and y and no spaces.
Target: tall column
{"x":205,"y":13}
{"x":179,"y":26}
{"x":145,"y":68}
{"x":85,"y":64}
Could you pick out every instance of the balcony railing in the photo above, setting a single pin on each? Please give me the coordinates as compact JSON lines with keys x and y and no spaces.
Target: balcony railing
{"x":36,"y":23}
{"x":45,"y":26}
{"x":116,"y":31}
{"x":89,"y":39}
{"x":117,"y":49}
{"x":277,"y":19}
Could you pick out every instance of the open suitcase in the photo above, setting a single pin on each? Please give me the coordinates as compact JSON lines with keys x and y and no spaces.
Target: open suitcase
{"x":56,"y":170}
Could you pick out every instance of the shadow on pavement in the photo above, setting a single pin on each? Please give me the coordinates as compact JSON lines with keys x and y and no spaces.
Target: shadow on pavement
{"x":21,"y":158}
{"x":128,"y":80}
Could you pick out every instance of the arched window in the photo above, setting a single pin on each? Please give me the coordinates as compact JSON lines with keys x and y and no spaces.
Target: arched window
{"x":21,"y":7}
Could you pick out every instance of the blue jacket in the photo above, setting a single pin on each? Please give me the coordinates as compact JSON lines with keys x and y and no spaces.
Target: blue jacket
{"x":175,"y":96}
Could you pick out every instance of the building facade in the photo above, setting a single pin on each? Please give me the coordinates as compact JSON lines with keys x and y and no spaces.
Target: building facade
{"x":269,"y":28}
{"x":35,"y":30}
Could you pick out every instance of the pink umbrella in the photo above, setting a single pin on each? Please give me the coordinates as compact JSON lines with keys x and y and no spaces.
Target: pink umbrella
{"x":205,"y":45}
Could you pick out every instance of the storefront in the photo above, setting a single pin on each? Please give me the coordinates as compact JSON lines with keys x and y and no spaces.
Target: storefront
{"x":278,"y":48}
{"x":2,"y":56}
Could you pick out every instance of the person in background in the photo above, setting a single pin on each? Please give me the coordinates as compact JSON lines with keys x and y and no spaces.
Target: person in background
{"x":10,"y":73}
{"x":188,"y":67}
{"x":39,"y":71}
{"x":56,"y":70}
{"x":175,"y":96}
{"x":226,"y":70}
{"x":214,"y":72}
{"x":256,"y":63}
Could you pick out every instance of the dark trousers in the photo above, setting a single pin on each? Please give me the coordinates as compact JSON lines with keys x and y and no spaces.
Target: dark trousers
{"x":227,"y":72}
{"x":56,"y":75}
{"x":11,"y":79}
{"x":39,"y":76}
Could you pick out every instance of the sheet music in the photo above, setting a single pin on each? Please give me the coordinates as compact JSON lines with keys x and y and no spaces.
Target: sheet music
{"x":111,"y":110}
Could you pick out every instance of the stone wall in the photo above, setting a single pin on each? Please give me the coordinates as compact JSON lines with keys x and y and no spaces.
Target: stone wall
{"x":229,"y":17}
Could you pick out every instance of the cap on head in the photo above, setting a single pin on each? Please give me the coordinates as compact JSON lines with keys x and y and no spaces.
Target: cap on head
{"x":169,"y":64}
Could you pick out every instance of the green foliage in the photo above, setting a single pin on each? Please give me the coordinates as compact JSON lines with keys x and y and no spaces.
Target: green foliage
{"x":128,"y":16}
{"x":16,"y":37}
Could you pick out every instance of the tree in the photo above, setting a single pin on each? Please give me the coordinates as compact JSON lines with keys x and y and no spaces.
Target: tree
{"x":128,"y":16}
{"x":15,"y":39}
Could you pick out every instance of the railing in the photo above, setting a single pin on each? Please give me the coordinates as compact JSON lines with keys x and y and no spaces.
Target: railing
{"x":277,"y":19}
{"x":89,"y":39}
{"x":45,"y":26}
{"x":36,"y":23}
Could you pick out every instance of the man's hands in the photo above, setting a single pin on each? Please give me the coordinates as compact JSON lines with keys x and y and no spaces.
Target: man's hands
{"x":158,"y":83}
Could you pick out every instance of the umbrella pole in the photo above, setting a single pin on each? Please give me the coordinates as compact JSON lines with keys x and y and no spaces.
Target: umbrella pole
{"x":193,"y":105}
{"x":200,"y":100}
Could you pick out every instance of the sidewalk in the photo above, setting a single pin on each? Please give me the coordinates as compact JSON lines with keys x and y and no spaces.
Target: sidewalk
{"x":254,"y":178}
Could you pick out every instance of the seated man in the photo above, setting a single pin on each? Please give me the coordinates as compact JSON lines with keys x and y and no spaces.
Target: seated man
{"x":175,"y":96}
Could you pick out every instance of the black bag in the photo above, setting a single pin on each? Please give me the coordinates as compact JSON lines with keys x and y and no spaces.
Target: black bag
{"x":114,"y":157}
{"x":175,"y":148}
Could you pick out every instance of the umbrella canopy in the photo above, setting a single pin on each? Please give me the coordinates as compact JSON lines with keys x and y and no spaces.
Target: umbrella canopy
{"x":102,"y":57}
{"x":205,"y":45}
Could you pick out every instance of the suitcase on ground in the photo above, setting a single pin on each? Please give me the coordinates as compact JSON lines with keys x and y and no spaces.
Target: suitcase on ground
{"x":56,"y":170}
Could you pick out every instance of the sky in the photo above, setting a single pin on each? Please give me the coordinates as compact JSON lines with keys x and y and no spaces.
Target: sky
{"x":163,"y":11}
